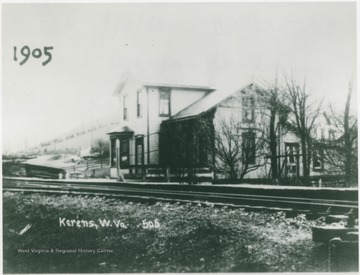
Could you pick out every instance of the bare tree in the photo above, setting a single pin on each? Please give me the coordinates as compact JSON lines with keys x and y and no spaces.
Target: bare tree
{"x":350,"y":136}
{"x":235,"y":149}
{"x":341,"y":152}
{"x":273,"y":116}
{"x":303,"y":119}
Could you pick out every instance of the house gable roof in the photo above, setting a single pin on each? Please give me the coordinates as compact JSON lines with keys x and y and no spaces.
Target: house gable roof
{"x":178,"y":86}
{"x":130,"y":83}
{"x":209,"y":102}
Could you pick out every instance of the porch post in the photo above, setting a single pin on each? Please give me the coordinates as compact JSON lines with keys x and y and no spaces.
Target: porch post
{"x":110,"y":155}
{"x":120,"y":175}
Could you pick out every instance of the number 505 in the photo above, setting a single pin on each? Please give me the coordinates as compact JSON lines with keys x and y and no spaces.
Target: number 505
{"x":35,"y":53}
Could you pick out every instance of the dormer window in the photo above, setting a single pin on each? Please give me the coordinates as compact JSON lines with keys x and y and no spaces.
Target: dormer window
{"x":164,"y":102}
{"x":248,"y":105}
{"x":125,"y":107}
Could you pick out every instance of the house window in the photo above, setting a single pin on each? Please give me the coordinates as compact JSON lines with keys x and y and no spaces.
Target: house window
{"x":322,"y":134}
{"x":125,"y":107}
{"x":139,"y":103}
{"x":331,"y":135}
{"x":124,"y":152}
{"x":318,"y":159}
{"x":248,"y":148}
{"x":292,"y":152}
{"x":292,"y":159}
{"x":164,"y":103}
{"x":248,"y":109}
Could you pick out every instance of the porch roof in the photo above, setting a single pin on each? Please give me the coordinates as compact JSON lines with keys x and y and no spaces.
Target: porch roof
{"x":125,"y":130}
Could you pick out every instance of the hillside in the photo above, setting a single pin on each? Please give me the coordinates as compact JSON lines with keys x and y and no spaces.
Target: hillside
{"x":81,"y":138}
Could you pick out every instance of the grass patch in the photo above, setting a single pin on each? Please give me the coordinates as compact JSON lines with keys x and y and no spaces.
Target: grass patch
{"x":188,"y":237}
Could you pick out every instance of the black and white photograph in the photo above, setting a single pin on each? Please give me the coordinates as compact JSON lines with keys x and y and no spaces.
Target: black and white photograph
{"x":179,"y":137}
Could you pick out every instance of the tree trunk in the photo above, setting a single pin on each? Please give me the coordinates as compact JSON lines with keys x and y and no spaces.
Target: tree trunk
{"x":304,"y":153}
{"x":347,"y":139}
{"x":273,"y":146}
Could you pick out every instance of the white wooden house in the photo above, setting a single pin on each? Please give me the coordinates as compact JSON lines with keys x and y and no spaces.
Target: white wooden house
{"x":238,"y":122}
{"x":143,"y":107}
{"x":162,"y":133}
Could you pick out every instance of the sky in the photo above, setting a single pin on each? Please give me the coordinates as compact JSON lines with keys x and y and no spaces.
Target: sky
{"x":222,"y":45}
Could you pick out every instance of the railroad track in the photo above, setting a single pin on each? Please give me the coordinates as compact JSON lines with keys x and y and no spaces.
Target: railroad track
{"x":308,"y":201}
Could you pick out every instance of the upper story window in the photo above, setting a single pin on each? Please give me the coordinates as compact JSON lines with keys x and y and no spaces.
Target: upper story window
{"x":331,"y":134}
{"x":164,"y":102}
{"x":318,"y":159}
{"x":248,"y":114}
{"x":139,"y":103}
{"x":292,"y":152}
{"x":322,"y":133}
{"x":248,"y":148}
{"x":125,"y":107}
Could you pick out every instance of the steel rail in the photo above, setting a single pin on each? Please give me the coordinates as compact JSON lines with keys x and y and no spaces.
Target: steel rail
{"x":207,"y":195}
{"x":218,"y":194}
{"x":147,"y":198}
{"x":213,"y":197}
{"x":159,"y":188}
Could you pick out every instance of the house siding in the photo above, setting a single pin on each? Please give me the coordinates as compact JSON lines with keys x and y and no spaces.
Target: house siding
{"x":148,"y":124}
{"x":236,"y":107}
{"x":231,"y":109}
{"x":183,"y":98}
